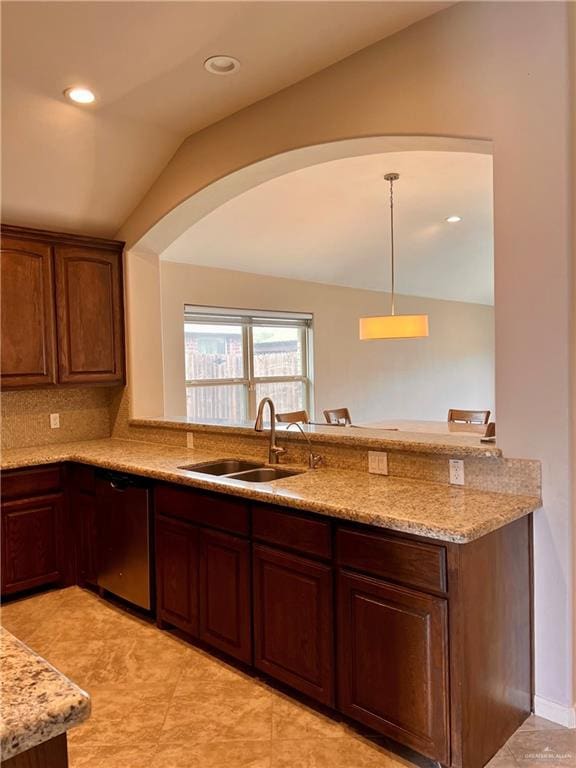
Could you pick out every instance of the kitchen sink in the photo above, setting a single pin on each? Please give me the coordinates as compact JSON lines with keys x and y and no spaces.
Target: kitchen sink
{"x":222,"y":466}
{"x":238,"y":469}
{"x":264,"y":474}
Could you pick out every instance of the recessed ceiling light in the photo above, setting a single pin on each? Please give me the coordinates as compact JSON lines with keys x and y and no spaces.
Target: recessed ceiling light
{"x":453,"y":219}
{"x":80,"y":95}
{"x":222,"y":65}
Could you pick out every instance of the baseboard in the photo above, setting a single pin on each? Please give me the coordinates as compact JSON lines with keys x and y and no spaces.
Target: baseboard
{"x":557,"y":713}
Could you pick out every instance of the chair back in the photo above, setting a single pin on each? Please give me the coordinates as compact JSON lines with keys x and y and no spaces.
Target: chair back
{"x":338,"y":416}
{"x":298,"y":416}
{"x":468,"y":417}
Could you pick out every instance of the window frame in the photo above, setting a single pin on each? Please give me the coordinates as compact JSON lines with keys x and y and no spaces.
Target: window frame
{"x":248,"y":320}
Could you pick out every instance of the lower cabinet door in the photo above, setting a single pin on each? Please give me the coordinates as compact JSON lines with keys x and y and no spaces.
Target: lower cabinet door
{"x":32,"y":542}
{"x":177,"y":561}
{"x":393,"y":662}
{"x":293,"y":635}
{"x":225,"y":605}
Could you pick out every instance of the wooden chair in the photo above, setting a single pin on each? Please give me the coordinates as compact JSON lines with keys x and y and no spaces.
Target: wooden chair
{"x":291,"y":416}
{"x":468,"y":417}
{"x":490,"y":430}
{"x":338,"y":416}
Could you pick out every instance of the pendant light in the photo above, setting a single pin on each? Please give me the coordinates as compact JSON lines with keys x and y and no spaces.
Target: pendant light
{"x":393,"y":326}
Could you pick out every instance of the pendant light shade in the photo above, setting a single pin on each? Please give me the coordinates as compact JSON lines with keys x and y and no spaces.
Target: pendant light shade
{"x":393,"y":326}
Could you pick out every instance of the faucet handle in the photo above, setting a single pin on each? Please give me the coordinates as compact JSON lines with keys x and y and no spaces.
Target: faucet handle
{"x":276,"y":451}
{"x":314,"y":460}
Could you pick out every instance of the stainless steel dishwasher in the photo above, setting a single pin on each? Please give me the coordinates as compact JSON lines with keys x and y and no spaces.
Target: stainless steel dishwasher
{"x":124,"y":537}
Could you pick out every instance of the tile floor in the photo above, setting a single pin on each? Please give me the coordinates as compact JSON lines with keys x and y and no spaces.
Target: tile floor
{"x":158,"y":702}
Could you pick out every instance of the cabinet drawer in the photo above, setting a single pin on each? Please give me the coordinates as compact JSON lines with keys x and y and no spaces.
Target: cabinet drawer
{"x":198,"y":507}
{"x":409,"y":562}
{"x":34,"y":481}
{"x":291,"y":530}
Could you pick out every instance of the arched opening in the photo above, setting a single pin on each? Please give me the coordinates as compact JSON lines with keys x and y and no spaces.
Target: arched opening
{"x":185,"y":260}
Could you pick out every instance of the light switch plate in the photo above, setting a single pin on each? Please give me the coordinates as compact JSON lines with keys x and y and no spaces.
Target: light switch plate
{"x":378,"y":462}
{"x":456,"y":467}
{"x":54,"y":421}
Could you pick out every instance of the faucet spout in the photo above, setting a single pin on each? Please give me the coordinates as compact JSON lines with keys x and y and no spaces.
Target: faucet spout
{"x":314,"y":459}
{"x":274,"y":451}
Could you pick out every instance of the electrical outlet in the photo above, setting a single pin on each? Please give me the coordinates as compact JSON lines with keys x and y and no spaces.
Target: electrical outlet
{"x":456,"y":471}
{"x":54,"y":421}
{"x":190,"y":439}
{"x":378,"y":462}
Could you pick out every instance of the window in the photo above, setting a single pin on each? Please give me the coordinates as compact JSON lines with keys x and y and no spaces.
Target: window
{"x":234,"y":358}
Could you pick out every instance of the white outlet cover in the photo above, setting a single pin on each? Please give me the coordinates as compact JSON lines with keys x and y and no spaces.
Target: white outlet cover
{"x":456,"y":468}
{"x":378,"y":462}
{"x":54,"y":421}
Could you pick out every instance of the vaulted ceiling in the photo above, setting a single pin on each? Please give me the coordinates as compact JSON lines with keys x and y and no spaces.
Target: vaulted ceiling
{"x":330,"y":223}
{"x":84,"y":169}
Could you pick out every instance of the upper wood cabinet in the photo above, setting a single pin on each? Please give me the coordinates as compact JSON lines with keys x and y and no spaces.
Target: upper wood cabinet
{"x":89,"y":315}
{"x":62,"y":309}
{"x":28,"y":323}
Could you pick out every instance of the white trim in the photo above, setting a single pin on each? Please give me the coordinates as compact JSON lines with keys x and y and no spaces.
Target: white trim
{"x":557,"y":713}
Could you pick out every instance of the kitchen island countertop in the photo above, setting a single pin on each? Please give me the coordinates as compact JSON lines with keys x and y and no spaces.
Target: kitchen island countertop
{"x":37,"y":702}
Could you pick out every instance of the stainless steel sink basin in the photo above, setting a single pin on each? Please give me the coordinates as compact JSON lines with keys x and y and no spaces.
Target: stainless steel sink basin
{"x":264,"y":474}
{"x":222,"y":466}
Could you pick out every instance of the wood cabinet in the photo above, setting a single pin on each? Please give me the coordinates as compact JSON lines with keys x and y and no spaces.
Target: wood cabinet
{"x":35,"y":547}
{"x":293,"y":621}
{"x":225,"y":604}
{"x":203,"y":574}
{"x":32,"y":542}
{"x":89,"y":315}
{"x":177,"y":570}
{"x":28,"y":321}
{"x":83,"y":513}
{"x":62,"y":309}
{"x":393,"y":662}
{"x":425,"y":642}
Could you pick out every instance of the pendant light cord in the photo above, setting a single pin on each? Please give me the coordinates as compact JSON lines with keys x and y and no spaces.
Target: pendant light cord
{"x":392,"y":177}
{"x":392,"y":236}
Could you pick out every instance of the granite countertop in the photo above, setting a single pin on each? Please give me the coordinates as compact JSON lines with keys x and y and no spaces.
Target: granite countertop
{"x":37,"y":702}
{"x":453,"y":442}
{"x":427,"y":509}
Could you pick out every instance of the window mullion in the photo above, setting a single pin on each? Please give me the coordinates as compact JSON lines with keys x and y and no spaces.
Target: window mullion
{"x":249,"y":369}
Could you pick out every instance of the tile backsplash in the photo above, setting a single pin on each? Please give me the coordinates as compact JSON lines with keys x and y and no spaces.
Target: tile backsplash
{"x":84,"y":415}
{"x":88,"y":413}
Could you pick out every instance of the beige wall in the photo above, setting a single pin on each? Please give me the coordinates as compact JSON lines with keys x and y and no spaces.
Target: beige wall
{"x":572,"y":69}
{"x":495,"y":71}
{"x":415,"y":378}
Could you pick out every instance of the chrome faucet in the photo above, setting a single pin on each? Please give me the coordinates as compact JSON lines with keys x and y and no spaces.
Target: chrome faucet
{"x":314,"y":459}
{"x":274,"y":451}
